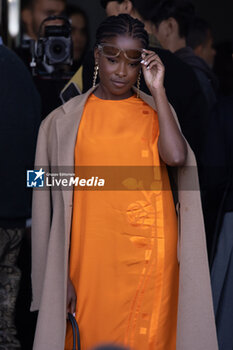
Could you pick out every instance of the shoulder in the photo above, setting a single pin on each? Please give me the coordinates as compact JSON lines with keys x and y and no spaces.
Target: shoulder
{"x":148,"y":99}
{"x":16,"y":76}
{"x":10,"y":60}
{"x":52,"y":117}
{"x":151,"y":102}
{"x":73,"y":106}
{"x":6,"y":53}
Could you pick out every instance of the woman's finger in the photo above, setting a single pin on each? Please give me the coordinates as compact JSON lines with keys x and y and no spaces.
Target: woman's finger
{"x":153,"y":60}
{"x":147,"y":51}
{"x":154,"y":64}
{"x":152,"y":54}
{"x":147,"y":62}
{"x":148,"y":59}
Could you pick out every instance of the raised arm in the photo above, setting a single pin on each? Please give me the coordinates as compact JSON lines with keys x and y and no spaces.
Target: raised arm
{"x":171,"y":144}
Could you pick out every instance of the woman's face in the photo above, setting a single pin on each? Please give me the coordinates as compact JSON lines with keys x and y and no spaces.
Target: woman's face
{"x":118,"y":74}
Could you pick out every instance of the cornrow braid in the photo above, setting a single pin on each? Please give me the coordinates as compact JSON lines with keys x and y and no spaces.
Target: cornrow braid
{"x":122,"y":24}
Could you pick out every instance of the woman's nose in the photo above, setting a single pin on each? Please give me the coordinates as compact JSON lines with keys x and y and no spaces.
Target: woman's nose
{"x":121,"y":70}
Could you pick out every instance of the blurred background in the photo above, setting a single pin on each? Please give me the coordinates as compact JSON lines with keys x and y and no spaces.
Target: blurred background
{"x":217,"y":13}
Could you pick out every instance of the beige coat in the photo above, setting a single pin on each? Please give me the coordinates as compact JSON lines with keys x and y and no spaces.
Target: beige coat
{"x":51,"y":225}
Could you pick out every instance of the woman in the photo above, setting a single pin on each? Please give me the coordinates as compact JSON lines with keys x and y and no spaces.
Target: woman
{"x":121,"y":245}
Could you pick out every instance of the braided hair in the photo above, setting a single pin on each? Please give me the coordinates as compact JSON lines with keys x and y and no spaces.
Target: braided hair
{"x":122,"y":24}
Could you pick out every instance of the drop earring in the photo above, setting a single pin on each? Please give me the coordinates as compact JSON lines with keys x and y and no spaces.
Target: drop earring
{"x":138,"y":84}
{"x":96,"y":69}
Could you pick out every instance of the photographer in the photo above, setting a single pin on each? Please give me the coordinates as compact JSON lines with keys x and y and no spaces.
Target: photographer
{"x":33,"y":13}
{"x":49,"y":68}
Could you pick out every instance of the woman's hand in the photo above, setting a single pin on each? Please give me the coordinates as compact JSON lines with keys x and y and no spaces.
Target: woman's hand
{"x":153,"y":70}
{"x":71,"y":297}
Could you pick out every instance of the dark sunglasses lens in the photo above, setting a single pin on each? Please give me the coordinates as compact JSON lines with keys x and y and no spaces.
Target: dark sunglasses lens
{"x":133,"y":54}
{"x":110,"y":51}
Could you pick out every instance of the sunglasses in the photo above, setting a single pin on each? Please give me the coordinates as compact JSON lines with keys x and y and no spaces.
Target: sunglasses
{"x":112,"y":51}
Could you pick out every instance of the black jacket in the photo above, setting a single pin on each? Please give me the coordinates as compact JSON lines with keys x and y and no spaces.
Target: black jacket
{"x":19,"y":123}
{"x":205,"y":76}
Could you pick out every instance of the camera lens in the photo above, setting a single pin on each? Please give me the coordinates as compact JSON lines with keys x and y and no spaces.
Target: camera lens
{"x":57,"y":50}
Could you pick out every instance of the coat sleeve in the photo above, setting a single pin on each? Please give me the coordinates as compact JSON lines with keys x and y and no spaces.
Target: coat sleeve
{"x":41,"y":221}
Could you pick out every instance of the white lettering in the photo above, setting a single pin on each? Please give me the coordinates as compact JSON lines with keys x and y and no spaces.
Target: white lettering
{"x":49,"y":184}
{"x":74,"y":181}
{"x":82,"y":182}
{"x":57,"y":182}
{"x":90,"y":181}
{"x":64,"y":182}
{"x":101,"y":182}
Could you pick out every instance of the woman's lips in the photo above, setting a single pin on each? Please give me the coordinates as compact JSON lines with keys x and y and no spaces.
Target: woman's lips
{"x":119,"y":83}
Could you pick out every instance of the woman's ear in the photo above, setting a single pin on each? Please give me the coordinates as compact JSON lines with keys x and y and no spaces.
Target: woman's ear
{"x":172,"y":26}
{"x":127,"y":6}
{"x":96,"y":55}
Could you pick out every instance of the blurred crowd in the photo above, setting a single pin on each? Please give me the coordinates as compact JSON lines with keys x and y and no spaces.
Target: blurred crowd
{"x":199,"y":85}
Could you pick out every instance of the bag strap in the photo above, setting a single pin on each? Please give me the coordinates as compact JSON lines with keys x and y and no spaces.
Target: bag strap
{"x":75,"y":330}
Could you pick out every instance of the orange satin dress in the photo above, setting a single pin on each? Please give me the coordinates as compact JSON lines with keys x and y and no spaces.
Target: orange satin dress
{"x":123,"y":253}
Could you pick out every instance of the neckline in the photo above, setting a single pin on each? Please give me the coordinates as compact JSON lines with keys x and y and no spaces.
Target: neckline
{"x":133,"y":97}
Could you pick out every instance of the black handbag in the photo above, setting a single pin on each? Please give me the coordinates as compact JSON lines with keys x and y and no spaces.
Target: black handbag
{"x":76,"y":335}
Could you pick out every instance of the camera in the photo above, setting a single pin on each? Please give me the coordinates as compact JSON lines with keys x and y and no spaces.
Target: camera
{"x":55,"y":46}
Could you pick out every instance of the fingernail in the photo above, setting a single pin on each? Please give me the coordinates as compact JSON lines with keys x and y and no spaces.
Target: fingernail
{"x":148,"y":67}
{"x":145,"y":63}
{"x":74,"y":314}
{"x":142,"y":61}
